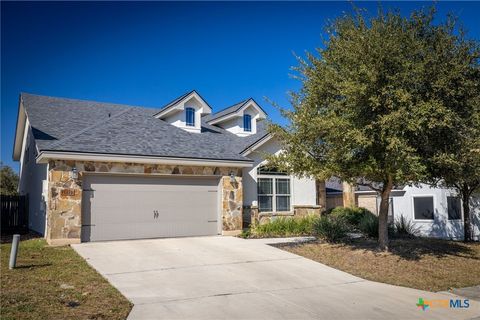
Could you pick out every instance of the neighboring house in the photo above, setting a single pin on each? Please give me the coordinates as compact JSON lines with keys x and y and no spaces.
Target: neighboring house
{"x":101,"y":171}
{"x":436,"y":212}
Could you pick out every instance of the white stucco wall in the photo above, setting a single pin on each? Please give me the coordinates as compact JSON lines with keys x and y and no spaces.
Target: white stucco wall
{"x":178,"y":117}
{"x":31,"y":183}
{"x":476,"y":216}
{"x":303,"y":190}
{"x":235,"y":125}
{"x":440,"y":226}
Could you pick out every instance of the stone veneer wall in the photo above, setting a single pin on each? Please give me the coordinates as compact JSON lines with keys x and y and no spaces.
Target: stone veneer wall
{"x":64,"y":216}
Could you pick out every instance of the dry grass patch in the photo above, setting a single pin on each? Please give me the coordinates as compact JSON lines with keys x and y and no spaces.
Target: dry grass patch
{"x":56,"y":283}
{"x":425,"y":264}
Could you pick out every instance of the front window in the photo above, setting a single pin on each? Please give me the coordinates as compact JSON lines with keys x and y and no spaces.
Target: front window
{"x":265,"y":194}
{"x":247,"y":123}
{"x":423,"y":208}
{"x":454,"y":208}
{"x":190,"y":117}
{"x":282,"y":194}
{"x":273,"y":190}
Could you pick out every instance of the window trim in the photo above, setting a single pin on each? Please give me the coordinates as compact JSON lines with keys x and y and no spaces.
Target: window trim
{"x":461,"y":208}
{"x":272,"y":195}
{"x":187,"y":110}
{"x":270,"y":173}
{"x":274,"y":190}
{"x":434,"y":207}
{"x":289,"y":195}
{"x":249,"y":117}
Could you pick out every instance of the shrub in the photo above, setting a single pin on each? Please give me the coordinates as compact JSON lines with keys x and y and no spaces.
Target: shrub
{"x":330,"y":228}
{"x":351,"y":215}
{"x":285,"y":227}
{"x":246,"y":233}
{"x":369,"y":225}
{"x":405,"y":228}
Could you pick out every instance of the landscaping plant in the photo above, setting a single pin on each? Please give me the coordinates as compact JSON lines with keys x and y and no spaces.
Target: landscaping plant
{"x":369,"y":225}
{"x":285,"y":227}
{"x":405,"y":228}
{"x":331,"y":228}
{"x":351,"y":215}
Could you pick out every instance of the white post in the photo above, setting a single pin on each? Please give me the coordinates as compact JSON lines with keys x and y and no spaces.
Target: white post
{"x":14,"y":251}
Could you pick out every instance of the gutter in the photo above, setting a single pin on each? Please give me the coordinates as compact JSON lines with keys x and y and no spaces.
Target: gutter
{"x":44,"y":156}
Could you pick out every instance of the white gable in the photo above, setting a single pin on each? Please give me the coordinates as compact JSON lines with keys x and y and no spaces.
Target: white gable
{"x":176,"y":112}
{"x":235,"y":121}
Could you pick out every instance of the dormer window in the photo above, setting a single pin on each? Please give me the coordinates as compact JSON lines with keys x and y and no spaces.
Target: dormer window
{"x":185,"y":112}
{"x":247,"y":123}
{"x":190,"y":117}
{"x":240,"y":119}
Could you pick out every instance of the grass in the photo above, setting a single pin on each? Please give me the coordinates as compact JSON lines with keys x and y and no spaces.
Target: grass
{"x":55,"y":283}
{"x":426,"y":264}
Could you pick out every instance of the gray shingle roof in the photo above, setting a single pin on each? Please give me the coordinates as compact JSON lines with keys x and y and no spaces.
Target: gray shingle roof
{"x":70,"y":125}
{"x":225,"y":111}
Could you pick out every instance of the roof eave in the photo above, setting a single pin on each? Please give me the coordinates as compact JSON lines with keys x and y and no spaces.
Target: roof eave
{"x":171,"y":107}
{"x":45,"y":155}
{"x":237,"y":112}
{"x":257,"y":144}
{"x":19,"y":130}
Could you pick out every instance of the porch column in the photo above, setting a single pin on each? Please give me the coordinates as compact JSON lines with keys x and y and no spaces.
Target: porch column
{"x":348,"y":194}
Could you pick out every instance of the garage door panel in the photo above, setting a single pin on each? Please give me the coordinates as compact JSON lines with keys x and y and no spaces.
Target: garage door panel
{"x":144,"y":207}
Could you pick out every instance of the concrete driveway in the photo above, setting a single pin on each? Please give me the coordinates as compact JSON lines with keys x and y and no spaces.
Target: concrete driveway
{"x":232,"y":278}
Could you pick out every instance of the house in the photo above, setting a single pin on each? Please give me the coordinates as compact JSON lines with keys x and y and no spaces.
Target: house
{"x":102,"y":171}
{"x":435,"y":212}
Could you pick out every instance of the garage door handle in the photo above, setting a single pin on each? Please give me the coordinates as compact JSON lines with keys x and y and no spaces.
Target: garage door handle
{"x":88,"y":190}
{"x":212,"y":220}
{"x":88,"y":225}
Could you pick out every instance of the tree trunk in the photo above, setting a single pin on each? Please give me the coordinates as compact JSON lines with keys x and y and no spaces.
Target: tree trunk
{"x":383,"y":215}
{"x":466,"y":216}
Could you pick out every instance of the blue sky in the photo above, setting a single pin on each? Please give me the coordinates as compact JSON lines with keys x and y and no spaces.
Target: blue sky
{"x":149,"y":53}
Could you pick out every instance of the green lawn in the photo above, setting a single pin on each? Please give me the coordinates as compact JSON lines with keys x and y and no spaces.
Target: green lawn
{"x":55,"y":283}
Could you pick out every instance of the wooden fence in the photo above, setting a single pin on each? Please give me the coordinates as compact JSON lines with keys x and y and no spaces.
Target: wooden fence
{"x":14,"y":213}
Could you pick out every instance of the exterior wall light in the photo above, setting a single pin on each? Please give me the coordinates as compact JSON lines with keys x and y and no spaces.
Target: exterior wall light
{"x":232,"y":177}
{"x":74,"y":173}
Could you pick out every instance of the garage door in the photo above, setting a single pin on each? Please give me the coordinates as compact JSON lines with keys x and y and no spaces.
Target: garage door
{"x":136,"y":207}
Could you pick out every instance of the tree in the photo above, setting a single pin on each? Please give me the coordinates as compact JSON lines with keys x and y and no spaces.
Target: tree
{"x":8,"y":180}
{"x":454,"y":151}
{"x":460,"y":170}
{"x":365,"y":106}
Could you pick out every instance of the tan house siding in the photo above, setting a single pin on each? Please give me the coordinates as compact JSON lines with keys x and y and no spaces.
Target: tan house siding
{"x":64,"y":213}
{"x":367,"y":201}
{"x":334,"y":201}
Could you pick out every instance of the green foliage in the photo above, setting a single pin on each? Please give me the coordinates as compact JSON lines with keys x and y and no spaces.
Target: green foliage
{"x":351,"y":215}
{"x":331,"y":228}
{"x":8,"y":180}
{"x":285,"y":227}
{"x":378,"y":98}
{"x":245,"y":234}
{"x":405,"y":228}
{"x":454,"y":149}
{"x":369,"y":225}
